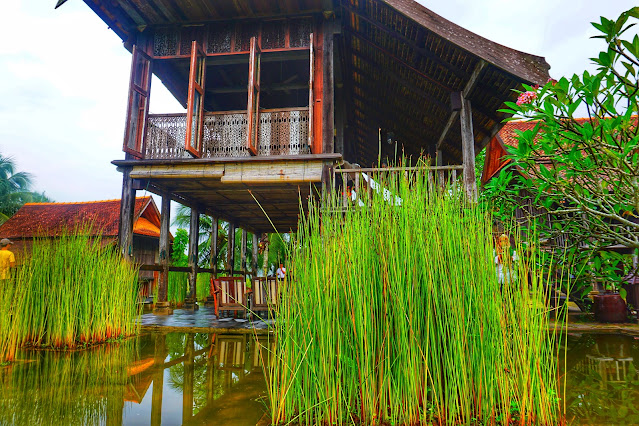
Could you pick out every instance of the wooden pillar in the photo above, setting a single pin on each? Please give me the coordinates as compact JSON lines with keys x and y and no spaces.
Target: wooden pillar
{"x":162,"y":305}
{"x":210,"y":370}
{"x":187,"y":388}
{"x":328,"y":85}
{"x":127,"y":210}
{"x":215,"y":252}
{"x":468,"y":150}
{"x":158,"y":379}
{"x":243,"y":252}
{"x":194,"y":236}
{"x":256,"y":242}
{"x":230,"y":249}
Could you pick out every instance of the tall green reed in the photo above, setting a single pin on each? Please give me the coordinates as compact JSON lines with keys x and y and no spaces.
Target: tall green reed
{"x":394,"y":314}
{"x":71,"y":291}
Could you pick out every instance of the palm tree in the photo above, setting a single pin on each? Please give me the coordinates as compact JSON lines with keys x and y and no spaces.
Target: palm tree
{"x":278,"y":243}
{"x":15,"y":189}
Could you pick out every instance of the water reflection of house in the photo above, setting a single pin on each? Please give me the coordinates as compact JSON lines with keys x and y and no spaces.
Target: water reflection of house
{"x":50,"y":220}
{"x":141,"y":377}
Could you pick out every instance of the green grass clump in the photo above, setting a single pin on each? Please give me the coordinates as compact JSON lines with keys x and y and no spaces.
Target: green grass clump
{"x":393,"y":314}
{"x":71,"y":291}
{"x":177,"y":286}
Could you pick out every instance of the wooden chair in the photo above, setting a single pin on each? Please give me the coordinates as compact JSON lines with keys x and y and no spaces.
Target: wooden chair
{"x":230,"y":295}
{"x":265,"y":296}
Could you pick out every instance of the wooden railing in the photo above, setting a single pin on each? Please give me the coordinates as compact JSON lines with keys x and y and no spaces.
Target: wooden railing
{"x":362,"y":179}
{"x":282,"y":131}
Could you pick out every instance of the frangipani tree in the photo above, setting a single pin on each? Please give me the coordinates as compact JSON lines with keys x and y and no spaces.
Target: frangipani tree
{"x":583,"y":171}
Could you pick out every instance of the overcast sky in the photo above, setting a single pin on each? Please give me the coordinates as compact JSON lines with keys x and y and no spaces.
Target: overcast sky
{"x":64,"y":79}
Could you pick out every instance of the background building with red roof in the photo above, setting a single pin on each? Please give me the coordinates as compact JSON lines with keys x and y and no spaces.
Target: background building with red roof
{"x":50,"y":220}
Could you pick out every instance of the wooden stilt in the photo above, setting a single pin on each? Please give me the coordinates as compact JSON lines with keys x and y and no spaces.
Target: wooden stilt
{"x":256,"y":242}
{"x":162,"y":305}
{"x":127,"y":210}
{"x":210,"y":300}
{"x":194,"y":235}
{"x":188,"y":382}
{"x":230,"y":249}
{"x":468,"y":150}
{"x":158,"y":379}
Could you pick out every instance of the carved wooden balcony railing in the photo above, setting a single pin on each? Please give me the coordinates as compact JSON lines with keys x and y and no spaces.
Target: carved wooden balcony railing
{"x":283,"y":131}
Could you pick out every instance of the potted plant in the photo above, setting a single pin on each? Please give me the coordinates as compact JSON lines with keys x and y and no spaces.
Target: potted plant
{"x":608,"y":268}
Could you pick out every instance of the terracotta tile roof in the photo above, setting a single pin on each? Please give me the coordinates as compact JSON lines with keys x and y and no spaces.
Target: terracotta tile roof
{"x":144,"y":227}
{"x":509,"y":137}
{"x":51,"y":218}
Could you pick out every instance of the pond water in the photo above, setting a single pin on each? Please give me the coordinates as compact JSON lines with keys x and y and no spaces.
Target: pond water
{"x":217,"y":379}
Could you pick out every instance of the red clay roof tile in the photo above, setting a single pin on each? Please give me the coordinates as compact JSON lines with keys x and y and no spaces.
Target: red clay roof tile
{"x":49,"y":219}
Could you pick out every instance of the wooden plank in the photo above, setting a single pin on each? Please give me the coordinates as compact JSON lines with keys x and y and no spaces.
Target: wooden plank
{"x":290,"y":172}
{"x":178,"y":172}
{"x":323,"y":158}
{"x":127,"y":210}
{"x":468,"y":150}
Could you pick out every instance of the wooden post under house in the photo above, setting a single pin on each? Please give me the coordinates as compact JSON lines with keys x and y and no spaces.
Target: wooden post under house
{"x":194,"y":235}
{"x":230,"y":249}
{"x":162,"y":305}
{"x":215,"y":251}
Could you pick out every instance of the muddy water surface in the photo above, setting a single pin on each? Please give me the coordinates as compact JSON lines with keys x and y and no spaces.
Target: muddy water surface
{"x":215,"y":379}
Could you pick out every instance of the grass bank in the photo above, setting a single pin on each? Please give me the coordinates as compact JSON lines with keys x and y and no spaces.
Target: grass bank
{"x":393,"y":314}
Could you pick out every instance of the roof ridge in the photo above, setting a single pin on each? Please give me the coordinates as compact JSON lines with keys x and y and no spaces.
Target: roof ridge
{"x":82,"y":202}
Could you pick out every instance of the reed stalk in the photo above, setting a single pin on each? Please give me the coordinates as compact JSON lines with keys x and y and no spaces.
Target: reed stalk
{"x":71,"y":291}
{"x":393,"y":314}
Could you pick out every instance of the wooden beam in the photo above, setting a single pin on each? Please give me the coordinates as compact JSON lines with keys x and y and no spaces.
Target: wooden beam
{"x":469,"y":86}
{"x":127,"y":210}
{"x":397,"y":61}
{"x":401,"y":81}
{"x":415,"y":46}
{"x":468,"y":150}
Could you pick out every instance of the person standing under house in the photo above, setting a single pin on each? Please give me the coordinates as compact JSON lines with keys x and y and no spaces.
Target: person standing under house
{"x":7,"y":259}
{"x":281,"y":272}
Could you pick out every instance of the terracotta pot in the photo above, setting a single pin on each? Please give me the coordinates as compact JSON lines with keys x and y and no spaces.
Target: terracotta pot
{"x":610,"y":307}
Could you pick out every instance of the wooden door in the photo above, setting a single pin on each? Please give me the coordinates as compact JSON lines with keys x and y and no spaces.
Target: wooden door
{"x":195,"y":103}
{"x":138,"y":104}
{"x":253,"y":107}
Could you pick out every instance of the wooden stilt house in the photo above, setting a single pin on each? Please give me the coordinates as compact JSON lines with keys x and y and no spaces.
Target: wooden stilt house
{"x":280,"y":93}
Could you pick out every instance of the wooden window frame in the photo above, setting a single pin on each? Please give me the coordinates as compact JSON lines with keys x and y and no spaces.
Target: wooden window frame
{"x":311,"y":90}
{"x":253,"y":105}
{"x":143,"y":90}
{"x":195,"y":147}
